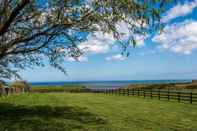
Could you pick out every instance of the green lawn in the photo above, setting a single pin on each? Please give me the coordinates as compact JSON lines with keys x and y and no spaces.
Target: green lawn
{"x":93,"y":112}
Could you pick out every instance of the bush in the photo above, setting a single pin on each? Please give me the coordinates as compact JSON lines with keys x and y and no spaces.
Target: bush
{"x":21,"y":85}
{"x":73,"y":86}
{"x":2,"y":83}
{"x":65,"y":88}
{"x":164,"y":86}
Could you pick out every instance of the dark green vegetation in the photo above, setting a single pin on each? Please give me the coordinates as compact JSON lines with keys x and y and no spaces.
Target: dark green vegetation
{"x":189,"y":86}
{"x":93,"y":112}
{"x":64,"y":88}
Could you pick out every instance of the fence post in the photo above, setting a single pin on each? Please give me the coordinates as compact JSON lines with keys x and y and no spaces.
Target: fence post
{"x":159,"y":94}
{"x":144,"y":93}
{"x":191,"y":97}
{"x":168,"y":94}
{"x":138,"y":92}
{"x":151,"y":93}
{"x":127,"y":92}
{"x":179,"y":99}
{"x":123,"y":92}
{"x":133,"y":92}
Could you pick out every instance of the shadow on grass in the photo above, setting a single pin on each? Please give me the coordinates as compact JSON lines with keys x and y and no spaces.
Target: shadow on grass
{"x":45,"y":118}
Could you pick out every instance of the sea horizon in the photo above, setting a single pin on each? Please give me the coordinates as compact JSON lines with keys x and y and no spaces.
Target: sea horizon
{"x":107,"y":83}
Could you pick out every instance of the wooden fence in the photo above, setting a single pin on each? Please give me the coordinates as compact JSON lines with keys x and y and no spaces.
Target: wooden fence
{"x":175,"y":95}
{"x":160,"y":94}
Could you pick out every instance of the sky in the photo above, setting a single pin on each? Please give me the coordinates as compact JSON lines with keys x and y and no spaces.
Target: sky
{"x":170,"y":54}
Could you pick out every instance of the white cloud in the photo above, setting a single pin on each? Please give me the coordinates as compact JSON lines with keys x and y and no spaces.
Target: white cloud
{"x":140,"y":39}
{"x":99,"y":42}
{"x":179,"y":10}
{"x":116,"y":57}
{"x":79,"y":59}
{"x":179,"y":38}
{"x":123,"y":29}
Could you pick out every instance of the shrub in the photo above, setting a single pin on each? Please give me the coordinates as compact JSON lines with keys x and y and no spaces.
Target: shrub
{"x":74,"y":86}
{"x":21,"y":85}
{"x":65,"y":88}
{"x":164,"y":86}
{"x":2,"y":83}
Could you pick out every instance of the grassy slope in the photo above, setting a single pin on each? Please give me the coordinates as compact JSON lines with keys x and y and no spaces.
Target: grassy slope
{"x":93,"y":112}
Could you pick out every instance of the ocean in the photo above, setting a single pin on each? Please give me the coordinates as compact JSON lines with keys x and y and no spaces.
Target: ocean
{"x":107,"y":84}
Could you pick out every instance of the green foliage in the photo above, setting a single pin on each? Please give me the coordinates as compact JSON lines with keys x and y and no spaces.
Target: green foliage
{"x":21,"y":85}
{"x":65,"y":88}
{"x":74,"y":86}
{"x":164,"y":86}
{"x":2,"y":83}
{"x":93,"y":112}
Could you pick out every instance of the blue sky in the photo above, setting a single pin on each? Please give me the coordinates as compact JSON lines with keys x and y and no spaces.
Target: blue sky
{"x":168,"y":55}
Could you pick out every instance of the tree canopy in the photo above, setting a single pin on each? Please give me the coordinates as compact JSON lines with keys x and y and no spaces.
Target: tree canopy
{"x":33,"y":31}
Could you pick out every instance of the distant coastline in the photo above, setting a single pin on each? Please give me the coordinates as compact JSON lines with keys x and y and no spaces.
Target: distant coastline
{"x":103,"y":84}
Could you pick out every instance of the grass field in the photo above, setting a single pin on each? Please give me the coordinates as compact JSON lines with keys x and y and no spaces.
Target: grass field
{"x":93,"y":112}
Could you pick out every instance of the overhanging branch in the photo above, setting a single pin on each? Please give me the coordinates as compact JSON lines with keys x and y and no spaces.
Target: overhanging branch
{"x":13,"y":15}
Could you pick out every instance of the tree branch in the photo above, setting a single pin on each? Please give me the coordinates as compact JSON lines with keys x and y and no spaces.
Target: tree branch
{"x":13,"y":15}
{"x":32,"y":49}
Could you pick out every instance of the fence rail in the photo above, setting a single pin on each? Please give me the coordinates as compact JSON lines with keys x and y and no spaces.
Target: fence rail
{"x":179,"y":96}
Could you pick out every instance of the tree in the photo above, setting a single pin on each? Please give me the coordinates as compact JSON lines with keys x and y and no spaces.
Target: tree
{"x":35,"y":30}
